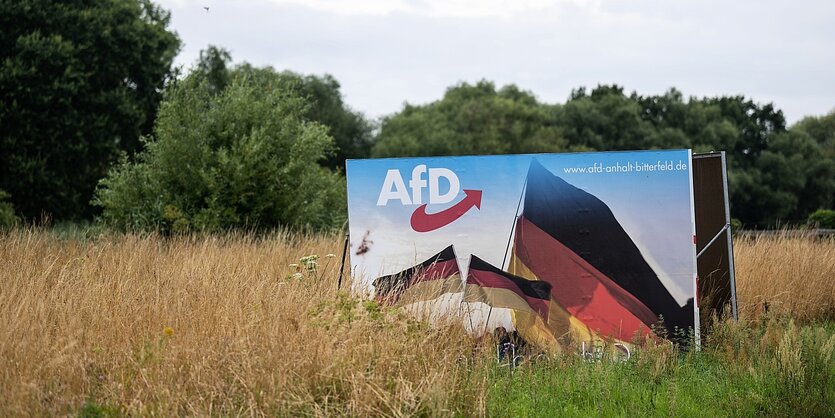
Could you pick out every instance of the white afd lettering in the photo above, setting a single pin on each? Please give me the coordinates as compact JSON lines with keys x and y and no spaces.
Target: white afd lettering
{"x":394,"y":188}
{"x":435,"y":175}
{"x":417,"y":183}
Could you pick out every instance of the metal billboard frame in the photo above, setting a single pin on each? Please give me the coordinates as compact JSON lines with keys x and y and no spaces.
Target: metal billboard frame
{"x":725,"y":229}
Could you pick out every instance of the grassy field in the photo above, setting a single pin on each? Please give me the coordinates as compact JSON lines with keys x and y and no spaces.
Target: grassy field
{"x":236,"y":325}
{"x":777,"y":369}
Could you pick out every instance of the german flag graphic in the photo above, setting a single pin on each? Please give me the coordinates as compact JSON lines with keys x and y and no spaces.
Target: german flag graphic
{"x":500,"y":289}
{"x":429,"y":280}
{"x":572,"y":240}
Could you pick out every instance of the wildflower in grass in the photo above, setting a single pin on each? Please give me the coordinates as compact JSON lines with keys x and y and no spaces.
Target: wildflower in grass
{"x":297,"y":276}
{"x":168,"y":331}
{"x":310,"y":263}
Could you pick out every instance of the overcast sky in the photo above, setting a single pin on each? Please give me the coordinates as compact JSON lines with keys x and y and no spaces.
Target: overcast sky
{"x":385,"y":53}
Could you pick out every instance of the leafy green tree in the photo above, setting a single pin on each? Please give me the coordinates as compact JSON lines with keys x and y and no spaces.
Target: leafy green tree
{"x":244,"y":157}
{"x":821,"y":130}
{"x":814,"y":140}
{"x":606,"y":119}
{"x":472,"y":119}
{"x":213,"y":68}
{"x":823,"y":218}
{"x":693,"y":123}
{"x":756,"y":125}
{"x":79,"y":82}
{"x":791,"y":177}
{"x":774,"y":175}
{"x":350,"y":130}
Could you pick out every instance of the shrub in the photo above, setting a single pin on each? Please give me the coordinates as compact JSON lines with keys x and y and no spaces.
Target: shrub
{"x":243,"y":158}
{"x":7,"y":215}
{"x":822,"y":218}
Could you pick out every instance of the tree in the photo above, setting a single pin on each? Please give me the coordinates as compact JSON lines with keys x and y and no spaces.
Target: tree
{"x":756,"y":124}
{"x":350,"y":130}
{"x":821,"y":130}
{"x":472,"y":119}
{"x":79,"y":82}
{"x":213,"y":68}
{"x":606,"y":119}
{"x":814,"y":140}
{"x":245,"y":157}
{"x":772,"y":173}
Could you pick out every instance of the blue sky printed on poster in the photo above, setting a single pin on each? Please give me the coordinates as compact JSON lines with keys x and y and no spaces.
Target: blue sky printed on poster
{"x":649,"y":193}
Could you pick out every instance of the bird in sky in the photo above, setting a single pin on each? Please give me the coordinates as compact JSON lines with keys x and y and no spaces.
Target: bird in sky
{"x":207,"y":8}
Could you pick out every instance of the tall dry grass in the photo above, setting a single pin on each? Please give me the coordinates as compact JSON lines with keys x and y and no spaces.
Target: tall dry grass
{"x":204,"y":326}
{"x":786,"y":274}
{"x":219,"y":326}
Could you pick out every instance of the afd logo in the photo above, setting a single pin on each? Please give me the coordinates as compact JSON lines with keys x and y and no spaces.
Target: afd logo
{"x":394,"y":188}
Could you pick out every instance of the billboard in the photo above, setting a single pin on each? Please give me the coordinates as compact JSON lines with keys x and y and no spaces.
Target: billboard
{"x":563,"y":248}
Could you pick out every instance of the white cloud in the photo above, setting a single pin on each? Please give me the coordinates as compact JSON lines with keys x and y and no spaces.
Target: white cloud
{"x":386,"y":52}
{"x":434,"y":8}
{"x":351,"y":7}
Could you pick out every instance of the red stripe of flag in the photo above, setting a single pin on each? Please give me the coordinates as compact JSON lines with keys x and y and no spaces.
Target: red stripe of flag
{"x":581,"y":289}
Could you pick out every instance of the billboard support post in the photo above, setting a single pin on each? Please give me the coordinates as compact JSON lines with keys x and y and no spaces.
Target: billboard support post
{"x":697,"y":336}
{"x":715,"y":237}
{"x":342,"y":265}
{"x":728,"y":237}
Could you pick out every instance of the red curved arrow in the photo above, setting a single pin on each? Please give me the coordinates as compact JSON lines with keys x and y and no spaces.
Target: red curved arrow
{"x":425,"y":222}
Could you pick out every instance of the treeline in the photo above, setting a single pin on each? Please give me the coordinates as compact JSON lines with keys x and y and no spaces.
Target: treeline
{"x":776,"y":174}
{"x":98,"y":124}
